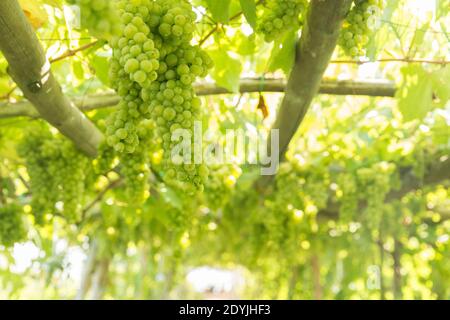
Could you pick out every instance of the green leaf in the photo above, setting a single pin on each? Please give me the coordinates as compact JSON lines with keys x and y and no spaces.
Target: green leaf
{"x":441,"y":134}
{"x":415,"y":96}
{"x":372,"y":47}
{"x":441,"y":85}
{"x":170,"y":196}
{"x":417,"y":40}
{"x":77,"y":69}
{"x":391,"y":6}
{"x":442,"y":8}
{"x":54,"y":3}
{"x":246,"y":45}
{"x":283,"y":53}
{"x":101,"y":66}
{"x":220,"y":9}
{"x":227,"y":70}
{"x":249,"y":10}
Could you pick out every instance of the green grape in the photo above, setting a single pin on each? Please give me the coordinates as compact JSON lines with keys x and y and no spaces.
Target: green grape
{"x":99,"y":17}
{"x":220,"y":184}
{"x":316,"y":188}
{"x":152,"y":70}
{"x":280,"y":16}
{"x":358,"y":25}
{"x":12,"y":228}
{"x":171,"y":99}
{"x":376,"y":183}
{"x":349,"y":199}
{"x":133,"y":68}
{"x":58,"y":174}
{"x":135,"y":167}
{"x":41,"y":181}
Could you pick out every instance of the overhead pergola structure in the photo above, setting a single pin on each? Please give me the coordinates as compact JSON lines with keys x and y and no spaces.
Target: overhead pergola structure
{"x":371,"y":88}
{"x":30,"y":69}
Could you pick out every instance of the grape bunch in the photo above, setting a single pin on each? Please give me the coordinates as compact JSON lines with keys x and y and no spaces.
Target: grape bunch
{"x":99,"y":17}
{"x":376,"y":183}
{"x":135,"y":167}
{"x":58,"y":174}
{"x":348,"y":197}
{"x":220,"y":185}
{"x":280,"y":16}
{"x":133,"y":68}
{"x":105,"y":160}
{"x":153,"y":69}
{"x":360,"y":22}
{"x":171,"y":99}
{"x":12,"y":227}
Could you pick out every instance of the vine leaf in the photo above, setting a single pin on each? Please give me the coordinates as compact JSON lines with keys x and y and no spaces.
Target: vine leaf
{"x":77,"y":69}
{"x":262,"y":105}
{"x":441,"y":85}
{"x":227,"y":70}
{"x":249,"y":10}
{"x":416,"y":93}
{"x":220,"y":10}
{"x":101,"y":66}
{"x":442,"y":9}
{"x":283,"y":53}
{"x":419,"y":87}
{"x":34,"y":12}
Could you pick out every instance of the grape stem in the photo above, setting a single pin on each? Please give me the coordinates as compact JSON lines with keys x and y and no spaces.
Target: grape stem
{"x":67,"y":54}
{"x":112,"y":185}
{"x":404,"y":60}
{"x":217,"y":26}
{"x":378,"y":88}
{"x":71,"y":53}
{"x":30,"y":69}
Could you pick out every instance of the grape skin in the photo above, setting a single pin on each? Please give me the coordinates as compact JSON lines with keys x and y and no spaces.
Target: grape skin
{"x":58,"y":174}
{"x":99,"y":17}
{"x":12,"y":227}
{"x":358,"y":25}
{"x":281,"y":16}
{"x":153,"y":69}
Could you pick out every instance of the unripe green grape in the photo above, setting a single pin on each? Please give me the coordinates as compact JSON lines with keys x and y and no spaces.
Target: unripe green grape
{"x":281,"y":16}
{"x":169,"y":114}
{"x":153,"y":70}
{"x":131,"y":66}
{"x":183,"y":69}
{"x":359,"y":23}
{"x":100,"y":17}
{"x":130,"y":30}
{"x":58,"y":174}
{"x":12,"y":228}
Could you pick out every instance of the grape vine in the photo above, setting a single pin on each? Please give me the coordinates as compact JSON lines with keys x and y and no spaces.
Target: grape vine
{"x":58,"y":174}
{"x":12,"y":227}
{"x":153,"y":69}
{"x":280,"y":16}
{"x":220,"y":185}
{"x":359,"y":24}
{"x":98,"y":16}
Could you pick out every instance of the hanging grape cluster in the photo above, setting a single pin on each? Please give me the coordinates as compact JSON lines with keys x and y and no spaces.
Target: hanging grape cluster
{"x":153,"y":70}
{"x":348,"y":197}
{"x":98,"y":16}
{"x":360,"y":22}
{"x":136,"y":166}
{"x":220,"y":185}
{"x":376,"y":183}
{"x":280,"y":16}
{"x":105,"y":161}
{"x":58,"y":174}
{"x":12,"y":228}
